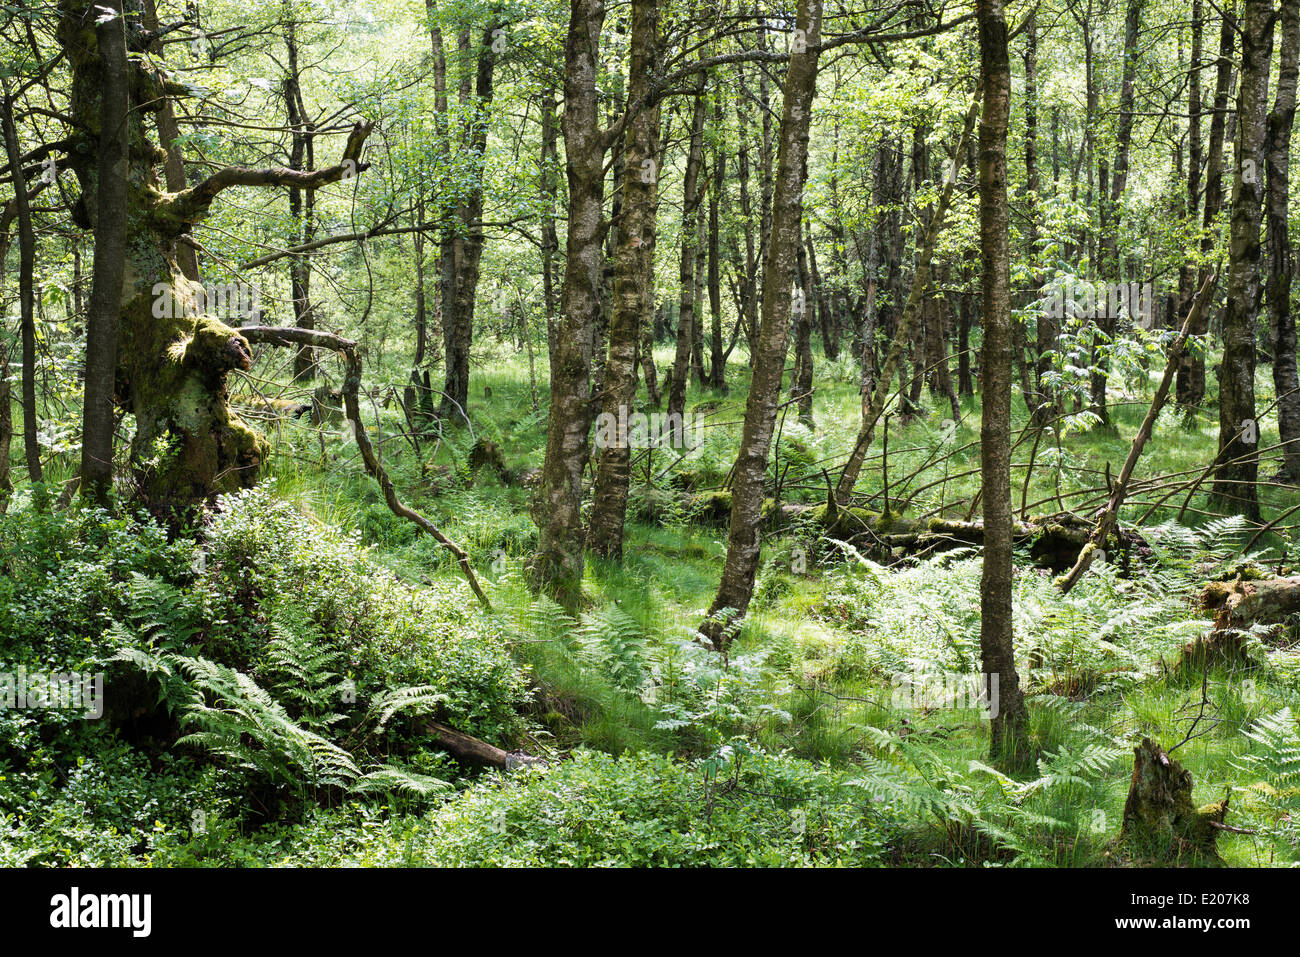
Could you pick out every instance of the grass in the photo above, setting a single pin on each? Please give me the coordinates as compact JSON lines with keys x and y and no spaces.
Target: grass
{"x":827,"y":651}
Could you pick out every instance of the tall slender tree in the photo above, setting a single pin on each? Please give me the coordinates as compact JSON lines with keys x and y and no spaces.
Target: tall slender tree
{"x":1238,"y":463}
{"x":633,"y":282}
{"x":1280,"y":265}
{"x":1009,"y":742}
{"x":736,"y":588}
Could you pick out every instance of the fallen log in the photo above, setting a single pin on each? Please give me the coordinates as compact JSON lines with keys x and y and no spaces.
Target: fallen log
{"x":1054,"y":541}
{"x":471,"y":750}
{"x":1242,"y":603}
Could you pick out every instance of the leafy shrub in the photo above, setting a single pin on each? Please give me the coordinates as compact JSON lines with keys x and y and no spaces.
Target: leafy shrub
{"x":740,"y":808}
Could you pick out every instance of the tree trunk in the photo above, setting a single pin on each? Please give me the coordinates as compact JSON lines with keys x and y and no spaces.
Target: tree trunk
{"x":1189,"y":388}
{"x":302,"y":203}
{"x":466,"y":245}
{"x":736,"y":587}
{"x":1278,"y":148}
{"x":109,"y":265}
{"x":691,"y":191}
{"x":168,"y":135}
{"x":173,"y":355}
{"x":1234,"y":483}
{"x":26,"y":292}
{"x":1009,"y":742}
{"x":557,"y":566}
{"x":549,"y":189}
{"x":717,"y":378}
{"x":1111,"y":191}
{"x":633,"y":283}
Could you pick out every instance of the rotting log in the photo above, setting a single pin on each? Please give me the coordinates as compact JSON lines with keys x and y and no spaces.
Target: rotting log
{"x":471,"y":750}
{"x":1054,"y":541}
{"x":1242,"y":603}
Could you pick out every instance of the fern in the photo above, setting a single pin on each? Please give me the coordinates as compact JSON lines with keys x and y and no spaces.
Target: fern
{"x":229,"y":715}
{"x":1277,"y":762}
{"x":298,"y":670}
{"x":159,"y":613}
{"x":613,"y":639}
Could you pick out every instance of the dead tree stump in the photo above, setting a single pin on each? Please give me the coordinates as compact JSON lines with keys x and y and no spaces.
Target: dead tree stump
{"x":1160,"y":820}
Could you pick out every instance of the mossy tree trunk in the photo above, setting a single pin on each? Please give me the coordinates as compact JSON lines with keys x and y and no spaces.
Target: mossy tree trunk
{"x":633,"y":280}
{"x":173,"y":357}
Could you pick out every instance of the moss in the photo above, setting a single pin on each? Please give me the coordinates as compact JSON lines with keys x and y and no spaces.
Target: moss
{"x":887,"y":523}
{"x":848,"y":521}
{"x":714,"y":506}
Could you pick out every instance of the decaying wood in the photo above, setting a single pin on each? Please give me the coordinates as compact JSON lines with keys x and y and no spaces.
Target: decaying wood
{"x":1159,"y":817}
{"x":1240,"y":604}
{"x":472,"y":750}
{"x":1054,"y":541}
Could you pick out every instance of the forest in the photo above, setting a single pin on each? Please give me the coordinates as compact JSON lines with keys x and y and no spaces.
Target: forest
{"x":648,"y":433}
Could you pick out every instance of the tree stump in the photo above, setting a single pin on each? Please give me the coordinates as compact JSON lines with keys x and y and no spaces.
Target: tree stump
{"x":1160,"y":820}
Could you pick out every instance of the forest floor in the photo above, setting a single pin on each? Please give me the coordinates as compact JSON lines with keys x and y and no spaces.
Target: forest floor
{"x":828,"y":635}
{"x":836,"y":703}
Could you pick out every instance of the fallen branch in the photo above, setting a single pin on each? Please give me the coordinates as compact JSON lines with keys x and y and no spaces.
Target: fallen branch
{"x":471,"y":750}
{"x":1110,"y":515}
{"x":347,"y":348}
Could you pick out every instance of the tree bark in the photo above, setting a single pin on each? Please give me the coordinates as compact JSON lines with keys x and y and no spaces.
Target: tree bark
{"x":1189,"y":388}
{"x":302,"y":204}
{"x":1280,"y":266}
{"x":1238,"y":431}
{"x":633,"y":283}
{"x":465,"y":249}
{"x":109,"y":267}
{"x":691,"y":195}
{"x":736,"y":587}
{"x":26,"y":293}
{"x":549,"y":189}
{"x":557,"y":566}
{"x":1009,"y":729}
{"x":173,"y":357}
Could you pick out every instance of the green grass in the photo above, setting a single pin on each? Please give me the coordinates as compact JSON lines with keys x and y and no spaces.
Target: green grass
{"x":811,"y":666}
